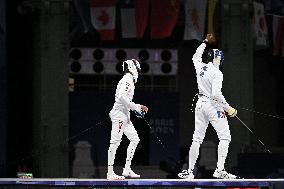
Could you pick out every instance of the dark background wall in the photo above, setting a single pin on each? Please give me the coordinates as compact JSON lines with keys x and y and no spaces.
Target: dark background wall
{"x":268,"y":87}
{"x":19,"y":86}
{"x":3,"y":87}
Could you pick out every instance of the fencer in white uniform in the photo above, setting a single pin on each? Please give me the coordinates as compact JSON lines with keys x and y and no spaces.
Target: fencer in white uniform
{"x":121,"y":123}
{"x":210,"y":107}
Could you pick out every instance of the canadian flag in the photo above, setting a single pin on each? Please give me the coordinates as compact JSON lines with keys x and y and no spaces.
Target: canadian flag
{"x":103,"y":17}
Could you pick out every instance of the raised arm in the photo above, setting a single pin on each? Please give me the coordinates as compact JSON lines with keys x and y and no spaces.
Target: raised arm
{"x":197,"y":57}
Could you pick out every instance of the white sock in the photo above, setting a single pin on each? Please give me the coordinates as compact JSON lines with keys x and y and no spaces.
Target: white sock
{"x":111,"y":155}
{"x":222,"y":153}
{"x":110,"y":169}
{"x":193,"y":154}
{"x":130,"y":153}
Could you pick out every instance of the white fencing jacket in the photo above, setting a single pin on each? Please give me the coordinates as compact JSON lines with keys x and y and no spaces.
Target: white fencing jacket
{"x":209,"y":79}
{"x":124,"y":95}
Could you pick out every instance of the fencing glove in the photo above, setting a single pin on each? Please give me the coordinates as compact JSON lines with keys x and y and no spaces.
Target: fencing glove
{"x":139,"y":114}
{"x":232,"y":112}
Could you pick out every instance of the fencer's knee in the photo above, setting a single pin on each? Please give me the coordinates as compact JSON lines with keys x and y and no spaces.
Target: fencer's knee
{"x":135,"y":140}
{"x":198,"y":136}
{"x":224,"y":134}
{"x":198,"y":141}
{"x":114,"y":144}
{"x":226,"y":137}
{"x":115,"y":141}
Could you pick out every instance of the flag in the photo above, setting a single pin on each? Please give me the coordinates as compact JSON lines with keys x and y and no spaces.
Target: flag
{"x":164,"y":16}
{"x":103,"y":17}
{"x":211,"y":12}
{"x":278,"y":33}
{"x":194,"y":19}
{"x":134,"y":18}
{"x":260,"y":26}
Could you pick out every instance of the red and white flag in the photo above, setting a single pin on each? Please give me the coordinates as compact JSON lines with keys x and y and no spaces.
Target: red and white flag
{"x":134,"y":18}
{"x":278,"y":33}
{"x":260,"y":26}
{"x":195,"y":11}
{"x":164,"y":16}
{"x":103,"y":17}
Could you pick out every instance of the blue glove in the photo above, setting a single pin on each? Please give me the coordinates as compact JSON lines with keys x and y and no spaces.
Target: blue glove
{"x":140,"y":114}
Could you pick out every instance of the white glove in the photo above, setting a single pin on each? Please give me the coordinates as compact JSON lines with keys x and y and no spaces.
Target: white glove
{"x":232,"y":112}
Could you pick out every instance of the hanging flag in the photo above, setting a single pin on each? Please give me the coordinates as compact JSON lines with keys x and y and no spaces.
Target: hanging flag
{"x":195,"y":11}
{"x":211,"y":12}
{"x":141,"y":16}
{"x":260,"y":26}
{"x":277,"y":28}
{"x":164,"y":16}
{"x":134,"y":18}
{"x":103,"y":17}
{"x":128,"y":23}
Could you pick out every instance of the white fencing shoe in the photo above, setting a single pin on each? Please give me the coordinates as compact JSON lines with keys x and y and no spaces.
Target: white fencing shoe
{"x":186,"y":174}
{"x":222,"y":174}
{"x":128,"y":173}
{"x":113,"y":176}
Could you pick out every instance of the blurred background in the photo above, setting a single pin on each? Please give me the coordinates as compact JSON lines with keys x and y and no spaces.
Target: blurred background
{"x":60,"y":62}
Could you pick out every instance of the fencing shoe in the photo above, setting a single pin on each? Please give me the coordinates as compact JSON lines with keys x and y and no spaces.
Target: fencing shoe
{"x":186,"y":174}
{"x":113,"y":176}
{"x":128,"y":173}
{"x":222,"y":174}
